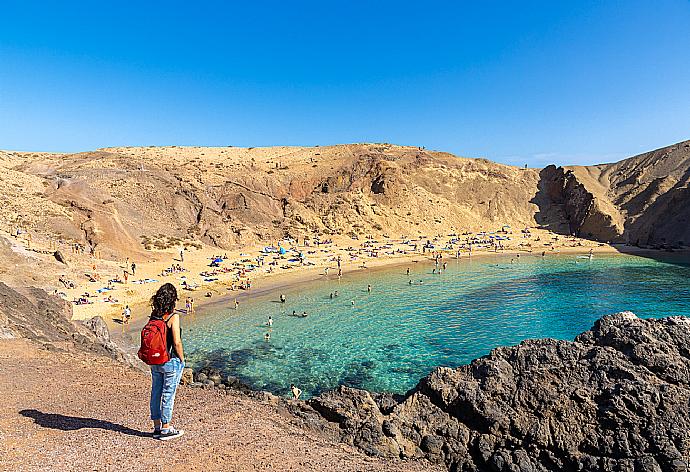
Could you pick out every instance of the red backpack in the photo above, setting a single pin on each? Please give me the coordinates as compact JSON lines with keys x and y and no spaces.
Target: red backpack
{"x":154,"y":346}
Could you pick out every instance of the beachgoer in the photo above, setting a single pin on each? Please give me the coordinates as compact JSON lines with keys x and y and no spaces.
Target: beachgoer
{"x":409,"y":282}
{"x":335,"y":293}
{"x":267,"y":336}
{"x":126,"y":315}
{"x":408,"y":271}
{"x":294,"y":312}
{"x":353,"y":302}
{"x":369,"y":288}
{"x":331,"y":295}
{"x":181,"y":255}
{"x":165,"y":377}
{"x":296,"y":392}
{"x":304,"y":314}
{"x":237,"y":304}
{"x":269,"y":322}
{"x":134,"y":268}
{"x":282,"y":298}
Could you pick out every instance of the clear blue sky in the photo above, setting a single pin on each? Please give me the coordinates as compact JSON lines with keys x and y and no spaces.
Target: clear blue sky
{"x":516,"y":82}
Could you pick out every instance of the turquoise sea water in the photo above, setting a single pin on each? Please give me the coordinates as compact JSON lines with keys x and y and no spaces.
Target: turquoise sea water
{"x":398,"y":333}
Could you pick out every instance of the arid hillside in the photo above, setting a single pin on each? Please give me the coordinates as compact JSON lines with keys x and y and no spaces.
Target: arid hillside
{"x":643,"y":200}
{"x":121,"y":201}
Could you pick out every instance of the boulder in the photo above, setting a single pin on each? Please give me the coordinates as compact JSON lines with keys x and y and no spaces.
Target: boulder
{"x":59,"y":257}
{"x":187,"y":376}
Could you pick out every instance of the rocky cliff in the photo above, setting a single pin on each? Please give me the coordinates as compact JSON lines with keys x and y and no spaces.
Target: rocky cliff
{"x":642,"y":200}
{"x":33,"y":314}
{"x":617,"y":398}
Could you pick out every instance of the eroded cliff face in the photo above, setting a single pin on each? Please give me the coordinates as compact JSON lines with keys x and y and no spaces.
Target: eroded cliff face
{"x":617,"y":398}
{"x":33,"y":314}
{"x":578,"y":206}
{"x":644,"y":200}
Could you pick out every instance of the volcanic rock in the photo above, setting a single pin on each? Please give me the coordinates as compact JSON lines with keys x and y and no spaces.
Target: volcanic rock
{"x":617,"y":398}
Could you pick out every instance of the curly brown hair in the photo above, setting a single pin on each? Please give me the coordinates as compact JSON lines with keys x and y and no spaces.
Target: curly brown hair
{"x":163,"y":302}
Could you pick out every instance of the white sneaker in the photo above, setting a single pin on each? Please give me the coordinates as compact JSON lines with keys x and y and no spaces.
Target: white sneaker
{"x":171,"y":433}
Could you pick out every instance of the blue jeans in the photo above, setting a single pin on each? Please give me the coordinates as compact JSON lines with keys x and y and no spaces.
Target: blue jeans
{"x":164,"y":381}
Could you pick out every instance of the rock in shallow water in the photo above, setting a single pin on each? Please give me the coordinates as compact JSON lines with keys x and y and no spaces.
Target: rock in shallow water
{"x":618,"y":398}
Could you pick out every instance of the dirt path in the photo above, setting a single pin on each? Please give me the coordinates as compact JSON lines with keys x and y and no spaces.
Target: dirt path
{"x":63,"y":411}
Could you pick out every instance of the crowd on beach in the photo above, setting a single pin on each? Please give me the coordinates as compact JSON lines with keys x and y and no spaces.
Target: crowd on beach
{"x":220,"y":274}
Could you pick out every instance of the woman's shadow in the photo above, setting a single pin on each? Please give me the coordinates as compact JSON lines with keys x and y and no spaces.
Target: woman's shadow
{"x":72,"y":423}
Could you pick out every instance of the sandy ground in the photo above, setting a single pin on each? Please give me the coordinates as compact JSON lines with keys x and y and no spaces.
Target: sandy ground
{"x":64,"y":411}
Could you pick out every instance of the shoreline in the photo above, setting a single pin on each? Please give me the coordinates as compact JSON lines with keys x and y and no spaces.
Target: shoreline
{"x":281,"y":272}
{"x":289,"y":280}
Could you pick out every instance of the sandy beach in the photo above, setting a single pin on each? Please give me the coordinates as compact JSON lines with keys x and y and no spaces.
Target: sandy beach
{"x":380,"y":255}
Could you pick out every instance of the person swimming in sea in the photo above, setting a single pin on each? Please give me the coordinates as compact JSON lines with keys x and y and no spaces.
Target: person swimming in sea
{"x":267,"y":336}
{"x":335,"y":293}
{"x":294,"y":313}
{"x":408,"y":271}
{"x":409,"y":282}
{"x":369,"y":288}
{"x":331,"y":296}
{"x":270,"y":321}
{"x":303,"y":315}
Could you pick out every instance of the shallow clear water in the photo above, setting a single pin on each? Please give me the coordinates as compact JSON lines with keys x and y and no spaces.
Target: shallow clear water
{"x":398,"y":333}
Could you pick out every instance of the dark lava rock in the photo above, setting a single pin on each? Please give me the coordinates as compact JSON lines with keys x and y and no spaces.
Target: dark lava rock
{"x":59,"y":257}
{"x":618,"y":398}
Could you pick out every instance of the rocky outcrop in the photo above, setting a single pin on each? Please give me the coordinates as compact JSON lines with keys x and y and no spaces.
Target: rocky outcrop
{"x":587,"y":213}
{"x":617,"y":398}
{"x":46,"y":319}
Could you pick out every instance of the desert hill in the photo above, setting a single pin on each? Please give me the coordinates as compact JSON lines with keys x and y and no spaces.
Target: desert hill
{"x":121,"y":201}
{"x":642,"y":200}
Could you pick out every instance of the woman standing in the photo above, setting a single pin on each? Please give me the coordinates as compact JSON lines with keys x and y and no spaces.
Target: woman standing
{"x":165,"y":377}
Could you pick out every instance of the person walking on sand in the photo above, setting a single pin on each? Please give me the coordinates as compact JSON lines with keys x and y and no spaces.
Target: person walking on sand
{"x":165,"y":376}
{"x":181,"y":255}
{"x":134,"y":268}
{"x":237,"y":304}
{"x":126,"y":315}
{"x":296,"y":392}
